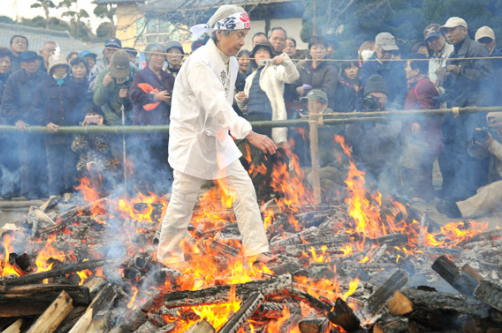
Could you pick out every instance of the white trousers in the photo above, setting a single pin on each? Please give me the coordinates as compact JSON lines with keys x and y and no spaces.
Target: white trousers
{"x":179,"y":212}
{"x":487,"y":199}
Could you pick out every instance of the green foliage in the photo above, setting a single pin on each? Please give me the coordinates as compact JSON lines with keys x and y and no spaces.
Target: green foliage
{"x":6,"y":19}
{"x":104,"y":31}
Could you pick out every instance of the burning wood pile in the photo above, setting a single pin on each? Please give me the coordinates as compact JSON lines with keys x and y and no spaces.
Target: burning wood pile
{"x":367,"y":264}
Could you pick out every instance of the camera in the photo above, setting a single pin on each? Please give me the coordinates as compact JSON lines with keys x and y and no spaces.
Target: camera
{"x":481,"y":135}
{"x":370,"y":103}
{"x":263,"y":62}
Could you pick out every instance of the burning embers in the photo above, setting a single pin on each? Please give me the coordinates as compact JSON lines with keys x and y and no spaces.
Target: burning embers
{"x":338,"y":266}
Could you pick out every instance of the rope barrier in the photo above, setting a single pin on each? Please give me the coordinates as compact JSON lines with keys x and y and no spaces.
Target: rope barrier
{"x":333,"y":119}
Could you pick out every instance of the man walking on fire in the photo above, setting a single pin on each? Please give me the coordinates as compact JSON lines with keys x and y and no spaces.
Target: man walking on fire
{"x":200,"y":147}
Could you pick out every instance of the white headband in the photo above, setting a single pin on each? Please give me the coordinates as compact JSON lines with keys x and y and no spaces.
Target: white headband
{"x":237,"y":21}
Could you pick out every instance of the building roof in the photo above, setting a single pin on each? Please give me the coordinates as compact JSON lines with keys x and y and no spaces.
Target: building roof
{"x":38,"y":36}
{"x":106,"y":2}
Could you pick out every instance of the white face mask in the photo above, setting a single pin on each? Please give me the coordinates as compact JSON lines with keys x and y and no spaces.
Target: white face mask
{"x":366,"y":54}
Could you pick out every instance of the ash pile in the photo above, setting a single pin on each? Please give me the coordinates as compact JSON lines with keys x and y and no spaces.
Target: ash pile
{"x":366,"y":265}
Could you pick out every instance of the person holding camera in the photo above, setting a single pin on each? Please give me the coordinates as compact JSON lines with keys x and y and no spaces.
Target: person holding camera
{"x":486,"y":142}
{"x":57,"y":104}
{"x":263,"y":97}
{"x":376,"y":145}
{"x":150,"y":93}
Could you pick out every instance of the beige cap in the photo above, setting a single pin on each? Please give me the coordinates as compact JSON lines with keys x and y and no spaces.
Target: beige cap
{"x":454,"y":22}
{"x":57,"y":60}
{"x":484,"y":32}
{"x":386,"y":41}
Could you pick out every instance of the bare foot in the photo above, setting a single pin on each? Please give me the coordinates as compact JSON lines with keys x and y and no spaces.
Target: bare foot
{"x":264,"y":258}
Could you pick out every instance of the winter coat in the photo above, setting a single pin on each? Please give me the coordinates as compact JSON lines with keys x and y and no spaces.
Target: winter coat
{"x":421,"y":92}
{"x":18,"y":97}
{"x":202,"y":115}
{"x":465,"y":89}
{"x":140,"y":98}
{"x":3,"y":82}
{"x":494,"y":152}
{"x":394,"y":75}
{"x":110,"y":102}
{"x":58,"y":104}
{"x":272,"y":80}
{"x":436,"y":62}
{"x":346,"y":95}
{"x":323,"y":77}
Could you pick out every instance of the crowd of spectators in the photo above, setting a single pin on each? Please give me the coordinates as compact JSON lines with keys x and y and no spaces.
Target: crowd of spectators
{"x":276,"y":81}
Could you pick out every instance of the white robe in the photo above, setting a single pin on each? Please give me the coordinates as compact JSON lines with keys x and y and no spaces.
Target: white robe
{"x":202,"y":115}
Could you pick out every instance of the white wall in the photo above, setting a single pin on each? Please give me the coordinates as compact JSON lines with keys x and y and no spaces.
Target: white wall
{"x":292,"y":26}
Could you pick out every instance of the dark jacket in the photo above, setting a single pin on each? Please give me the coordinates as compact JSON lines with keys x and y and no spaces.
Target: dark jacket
{"x":3,"y":82}
{"x":324,"y":77}
{"x":394,"y":75}
{"x":346,"y":95}
{"x":18,"y":97}
{"x":159,"y":115}
{"x":465,"y":89}
{"x":59,"y":105}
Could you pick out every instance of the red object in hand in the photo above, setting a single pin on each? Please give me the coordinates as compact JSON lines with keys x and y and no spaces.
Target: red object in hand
{"x":149,"y":90}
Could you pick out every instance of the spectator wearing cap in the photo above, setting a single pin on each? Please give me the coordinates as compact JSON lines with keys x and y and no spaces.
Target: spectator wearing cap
{"x":174,"y":57}
{"x":330,"y":160}
{"x":17,"y":109}
{"x":112,"y":44}
{"x":377,"y":146}
{"x":198,"y":43}
{"x":18,"y":44}
{"x":112,"y":94}
{"x":391,"y":71}
{"x":466,"y":75}
{"x":486,"y":36}
{"x":150,"y":93}
{"x":277,"y":37}
{"x":263,"y":97}
{"x":91,"y":61}
{"x":421,"y":135}
{"x":131,"y":51}
{"x":47,"y":50}
{"x":9,"y":158}
{"x":441,"y":50}
{"x":58,"y":103}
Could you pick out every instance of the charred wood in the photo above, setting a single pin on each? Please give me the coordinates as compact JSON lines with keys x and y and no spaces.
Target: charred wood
{"x":201,"y":327}
{"x":245,"y":312}
{"x":399,"y":305}
{"x":391,"y":240}
{"x":490,"y":292}
{"x":396,"y":326}
{"x":43,"y":293}
{"x":220,"y":294}
{"x":270,"y":310}
{"x":459,"y":280}
{"x":313,"y":301}
{"x":342,"y":315}
{"x":313,"y":325}
{"x":54,"y":315}
{"x":381,"y":296}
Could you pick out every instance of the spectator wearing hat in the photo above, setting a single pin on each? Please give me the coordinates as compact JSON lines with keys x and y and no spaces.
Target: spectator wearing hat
{"x":391,"y":71}
{"x":486,"y":144}
{"x":441,"y":50}
{"x":486,"y":36}
{"x":47,"y":50}
{"x":377,"y":146}
{"x":174,"y":57}
{"x":17,"y":109}
{"x":150,"y":93}
{"x":263,"y":98}
{"x":18,"y":44}
{"x":465,"y":77}
{"x":9,"y":158}
{"x":421,"y":135}
{"x":131,"y":51}
{"x":198,"y":43}
{"x":112,"y":94}
{"x":57,"y":104}
{"x":112,"y":44}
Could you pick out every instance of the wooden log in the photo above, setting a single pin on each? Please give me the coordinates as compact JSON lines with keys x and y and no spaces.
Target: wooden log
{"x":20,"y":204}
{"x":99,"y":306}
{"x":335,"y":248}
{"x":54,"y":315}
{"x":71,"y":319}
{"x":139,"y":316}
{"x":342,"y":315}
{"x":399,"y":305}
{"x":395,"y":326}
{"x":314,"y":302}
{"x":299,"y":238}
{"x":446,"y":301}
{"x":43,"y":293}
{"x":462,"y":282}
{"x":52,"y":202}
{"x":243,"y":314}
{"x":271,"y":310}
{"x":313,"y":325}
{"x":467,"y":269}
{"x":371,"y":265}
{"x":95,"y":284}
{"x":220,"y":294}
{"x":391,"y":240}
{"x":490,"y":292}
{"x":381,"y":296}
{"x":201,"y":327}
{"x":489,"y":235}
{"x":38,"y":277}
{"x":15,"y":327}
{"x":22,"y":309}
{"x":147,"y":327}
